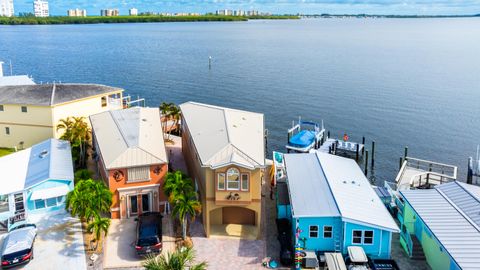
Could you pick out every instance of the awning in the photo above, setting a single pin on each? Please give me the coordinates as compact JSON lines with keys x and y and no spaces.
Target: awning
{"x":47,"y":193}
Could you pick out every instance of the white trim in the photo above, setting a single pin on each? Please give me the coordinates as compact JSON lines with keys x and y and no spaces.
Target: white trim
{"x":362,"y":238}
{"x":238,"y":181}
{"x":241,"y":181}
{"x":310,"y":231}
{"x":224,"y":181}
{"x":138,"y":187}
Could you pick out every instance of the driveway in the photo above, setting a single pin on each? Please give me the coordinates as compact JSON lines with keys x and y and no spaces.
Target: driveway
{"x":59,"y":245}
{"x":120,"y":243}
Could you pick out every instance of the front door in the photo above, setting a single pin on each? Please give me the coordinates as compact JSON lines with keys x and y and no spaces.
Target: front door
{"x":146,"y":205}
{"x":133,"y":205}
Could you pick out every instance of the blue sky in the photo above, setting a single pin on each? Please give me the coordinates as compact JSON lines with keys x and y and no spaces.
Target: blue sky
{"x":424,"y":7}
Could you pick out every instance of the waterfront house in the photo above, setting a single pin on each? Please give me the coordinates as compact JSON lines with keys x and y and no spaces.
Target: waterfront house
{"x":34,"y":182}
{"x":29,"y":114}
{"x":132,"y":159}
{"x":224,"y":152}
{"x":443,"y":223}
{"x":334,"y":206}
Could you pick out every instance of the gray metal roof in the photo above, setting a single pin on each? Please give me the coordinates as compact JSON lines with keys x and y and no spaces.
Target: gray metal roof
{"x":452,"y":213}
{"x":224,"y":136}
{"x":321,"y":184}
{"x":129,"y":138}
{"x":310,"y":195}
{"x":51,"y":94}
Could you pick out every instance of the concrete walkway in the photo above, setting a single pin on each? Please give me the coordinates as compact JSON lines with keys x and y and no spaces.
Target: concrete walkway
{"x":120,"y":243}
{"x":175,"y":155}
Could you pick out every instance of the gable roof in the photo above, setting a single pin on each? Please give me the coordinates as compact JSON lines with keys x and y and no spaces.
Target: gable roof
{"x":224,"y":136}
{"x":50,"y":159}
{"x":322,"y":185}
{"x":129,"y":138}
{"x":451,"y":213}
{"x":51,"y":94}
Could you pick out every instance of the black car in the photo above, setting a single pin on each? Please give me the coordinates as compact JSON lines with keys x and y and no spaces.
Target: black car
{"x":149,"y":234}
{"x":17,"y":247}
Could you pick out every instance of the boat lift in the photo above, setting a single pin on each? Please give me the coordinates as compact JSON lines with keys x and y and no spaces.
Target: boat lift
{"x":304,"y":136}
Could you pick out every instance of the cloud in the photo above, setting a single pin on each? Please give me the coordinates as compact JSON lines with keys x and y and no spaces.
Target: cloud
{"x":59,"y":7}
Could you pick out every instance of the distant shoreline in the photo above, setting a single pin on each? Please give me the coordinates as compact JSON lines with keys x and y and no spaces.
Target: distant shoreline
{"x":134,"y":19}
{"x":386,"y":16}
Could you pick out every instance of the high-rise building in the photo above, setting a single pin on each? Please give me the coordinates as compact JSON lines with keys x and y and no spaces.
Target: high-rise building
{"x":109,"y":12}
{"x":40,"y":8}
{"x":6,"y":8}
{"x":77,"y":13}
{"x":133,"y":12}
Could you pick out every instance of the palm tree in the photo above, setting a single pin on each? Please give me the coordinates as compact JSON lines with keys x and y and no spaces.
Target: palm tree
{"x":88,"y":199}
{"x":174,"y":115}
{"x":176,"y":183}
{"x":165,"y":110}
{"x":179,"y":260}
{"x":186,"y":205}
{"x":98,"y":226}
{"x":77,"y":132}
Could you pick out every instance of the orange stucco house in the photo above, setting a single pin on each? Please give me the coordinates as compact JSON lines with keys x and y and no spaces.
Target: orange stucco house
{"x":132,"y":159}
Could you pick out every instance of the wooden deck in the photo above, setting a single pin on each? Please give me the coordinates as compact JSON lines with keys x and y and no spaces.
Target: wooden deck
{"x":417,"y":173}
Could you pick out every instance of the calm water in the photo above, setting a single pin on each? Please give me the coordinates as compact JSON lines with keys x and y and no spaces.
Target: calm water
{"x":399,"y":82}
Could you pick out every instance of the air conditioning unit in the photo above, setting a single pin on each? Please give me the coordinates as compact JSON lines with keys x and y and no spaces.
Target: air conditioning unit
{"x":310,"y":260}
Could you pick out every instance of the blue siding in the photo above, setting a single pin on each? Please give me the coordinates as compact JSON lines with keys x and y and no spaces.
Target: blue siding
{"x":30,"y":204}
{"x":317,"y":243}
{"x":284,"y":211}
{"x":380,"y":248}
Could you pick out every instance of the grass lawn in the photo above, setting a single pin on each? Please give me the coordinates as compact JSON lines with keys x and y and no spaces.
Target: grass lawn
{"x":6,"y":151}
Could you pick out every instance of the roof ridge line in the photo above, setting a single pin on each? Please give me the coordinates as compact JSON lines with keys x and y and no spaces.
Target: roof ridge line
{"x":458,"y":209}
{"x":226,"y":125}
{"x":148,"y":152}
{"x":118,"y":128}
{"x":467,"y":191}
{"x":328,"y":184}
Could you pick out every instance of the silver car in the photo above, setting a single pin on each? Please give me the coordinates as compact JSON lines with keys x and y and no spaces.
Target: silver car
{"x":17,"y":247}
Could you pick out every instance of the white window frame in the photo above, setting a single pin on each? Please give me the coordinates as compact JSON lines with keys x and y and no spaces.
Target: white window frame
{"x":138,"y":174}
{"x":361,"y":237}
{"x":224,"y":181}
{"x":373,"y":237}
{"x":331,"y":231}
{"x":317,"y":231}
{"x":241,"y":181}
{"x":238,"y":181}
{"x":7,"y":131}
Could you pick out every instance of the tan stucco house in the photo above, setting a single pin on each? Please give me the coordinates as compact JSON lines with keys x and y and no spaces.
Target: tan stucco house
{"x":132,"y":159}
{"x":29,"y":114}
{"x":224,"y":152}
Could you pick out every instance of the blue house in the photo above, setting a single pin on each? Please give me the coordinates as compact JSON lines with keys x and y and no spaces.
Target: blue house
{"x":333,"y":206}
{"x":445,"y":222}
{"x":34,"y":182}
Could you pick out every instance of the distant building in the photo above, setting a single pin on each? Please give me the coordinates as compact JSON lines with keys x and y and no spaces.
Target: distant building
{"x":133,"y":12}
{"x":6,"y":8}
{"x":77,"y":13}
{"x":109,"y":12}
{"x":40,"y":8}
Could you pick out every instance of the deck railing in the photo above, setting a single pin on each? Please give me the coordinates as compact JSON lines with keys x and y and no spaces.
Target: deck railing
{"x":430,"y":173}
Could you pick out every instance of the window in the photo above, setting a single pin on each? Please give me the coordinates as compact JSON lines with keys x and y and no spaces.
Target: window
{"x":138,"y":174}
{"x":313,"y":231}
{"x":24,"y":108}
{"x":39,"y":204}
{"x":4,"y":203}
{"x":51,"y":202}
{"x":19,"y":207}
{"x":7,"y":130}
{"x":221,"y":181}
{"x":368,"y":237}
{"x":1,"y":108}
{"x":104,"y":101}
{"x":357,"y":237}
{"x":233,"y":179}
{"x":60,"y":199}
{"x":327,"y":231}
{"x":244,"y":181}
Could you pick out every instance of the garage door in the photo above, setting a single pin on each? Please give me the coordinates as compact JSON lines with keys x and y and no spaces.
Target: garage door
{"x":238,"y":215}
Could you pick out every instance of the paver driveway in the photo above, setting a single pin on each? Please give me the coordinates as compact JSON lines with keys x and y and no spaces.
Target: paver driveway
{"x":59,"y":245}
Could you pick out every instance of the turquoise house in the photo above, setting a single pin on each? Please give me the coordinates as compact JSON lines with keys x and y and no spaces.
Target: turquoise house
{"x":444,"y":222}
{"x":333,"y":206}
{"x":34,"y":182}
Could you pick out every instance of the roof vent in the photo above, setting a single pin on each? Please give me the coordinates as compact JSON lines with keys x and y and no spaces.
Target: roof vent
{"x":344,"y":182}
{"x":43,"y":154}
{"x":144,"y":119}
{"x":353,"y":182}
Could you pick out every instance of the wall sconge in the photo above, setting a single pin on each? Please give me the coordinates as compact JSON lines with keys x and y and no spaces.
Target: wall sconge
{"x":122,"y":198}
{"x":155,"y":194}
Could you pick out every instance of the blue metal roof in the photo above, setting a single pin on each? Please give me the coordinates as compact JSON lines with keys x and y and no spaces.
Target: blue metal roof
{"x":50,"y":159}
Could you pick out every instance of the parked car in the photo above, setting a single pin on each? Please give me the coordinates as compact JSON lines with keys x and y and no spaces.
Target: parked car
{"x":17,"y":247}
{"x":149,"y":234}
{"x":285,"y":238}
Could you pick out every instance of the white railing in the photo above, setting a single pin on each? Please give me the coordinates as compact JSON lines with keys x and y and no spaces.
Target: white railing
{"x":430,"y":173}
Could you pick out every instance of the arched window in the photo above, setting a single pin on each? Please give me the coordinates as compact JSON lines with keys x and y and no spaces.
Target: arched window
{"x":233,"y":179}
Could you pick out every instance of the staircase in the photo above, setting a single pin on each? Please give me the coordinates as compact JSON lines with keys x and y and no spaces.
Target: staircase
{"x":417,"y":250}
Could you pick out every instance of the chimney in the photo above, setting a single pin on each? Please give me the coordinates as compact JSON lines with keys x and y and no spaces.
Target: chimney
{"x":1,"y":69}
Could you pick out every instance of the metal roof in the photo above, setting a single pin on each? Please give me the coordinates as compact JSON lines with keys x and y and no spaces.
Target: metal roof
{"x":224,"y":136}
{"x":129,"y":138}
{"x":321,"y":184}
{"x":51,"y":94}
{"x":16,"y":80}
{"x":451,"y":212}
{"x":50,"y":159}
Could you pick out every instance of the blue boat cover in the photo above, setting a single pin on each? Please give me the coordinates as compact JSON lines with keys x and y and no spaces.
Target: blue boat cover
{"x":302,"y":139}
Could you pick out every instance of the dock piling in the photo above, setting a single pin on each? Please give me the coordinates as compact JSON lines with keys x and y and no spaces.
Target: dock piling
{"x":363,"y":142}
{"x":400,"y":164}
{"x":366,"y":162}
{"x":328,"y":134}
{"x":357,"y":152}
{"x":210,"y":62}
{"x":373,"y":154}
{"x":470,"y":171}
{"x":406,"y":152}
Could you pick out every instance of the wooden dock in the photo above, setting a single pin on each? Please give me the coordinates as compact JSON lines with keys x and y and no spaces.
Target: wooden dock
{"x":418,"y":173}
